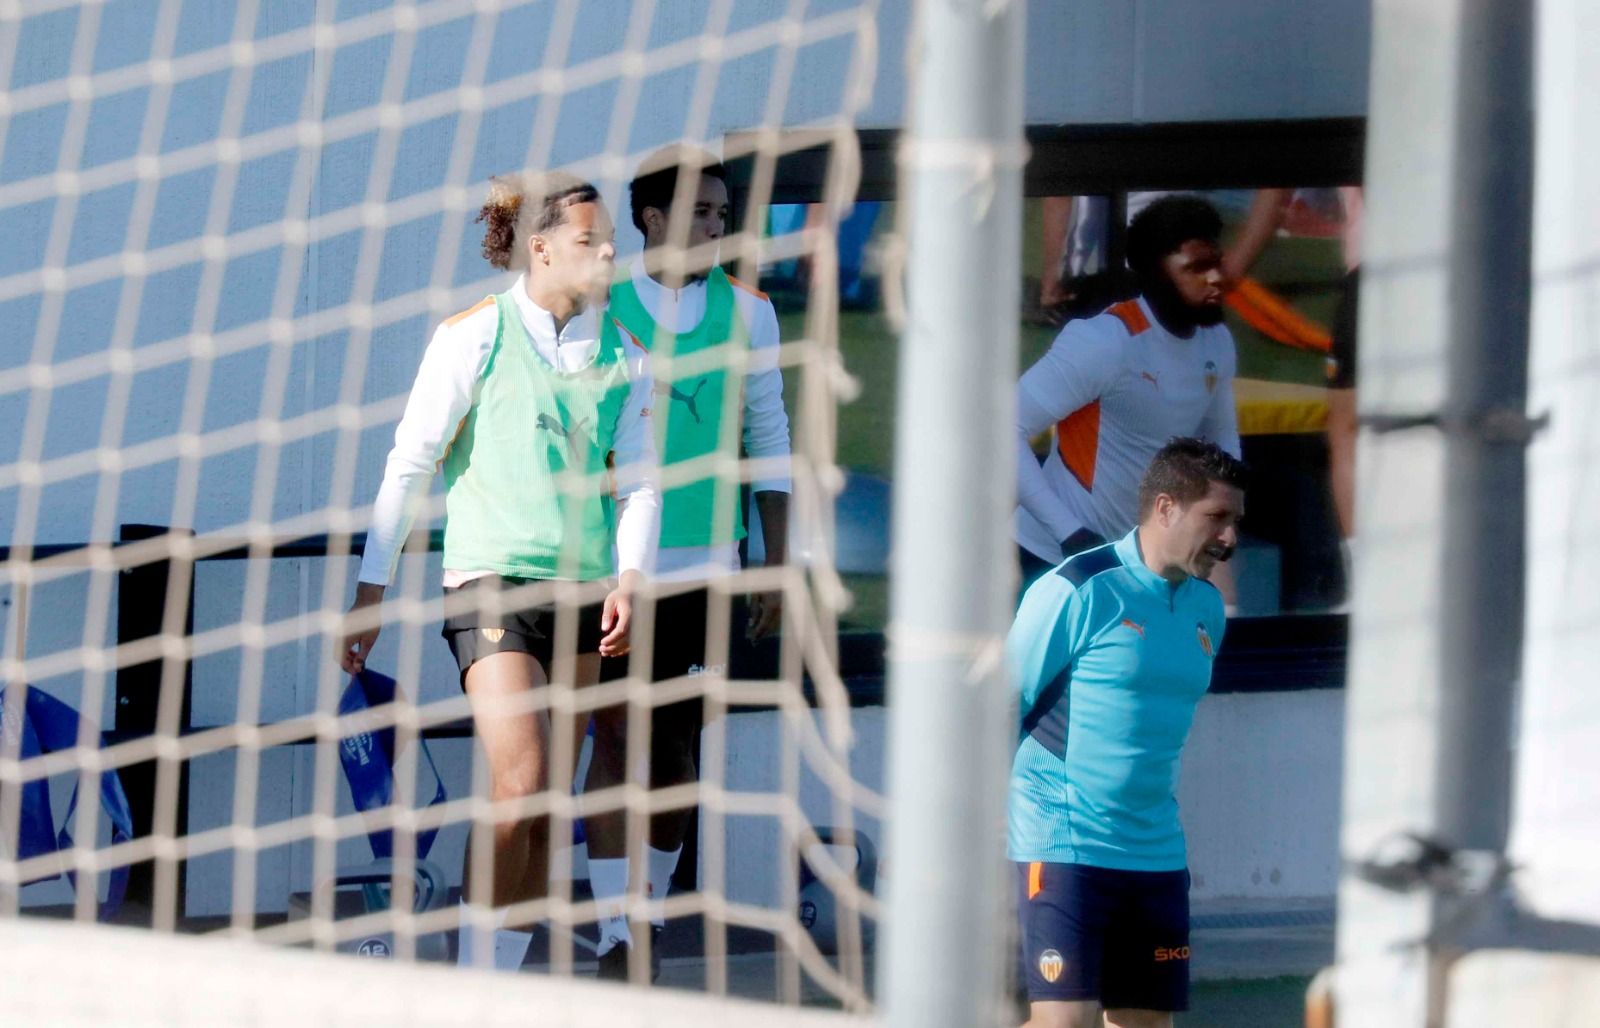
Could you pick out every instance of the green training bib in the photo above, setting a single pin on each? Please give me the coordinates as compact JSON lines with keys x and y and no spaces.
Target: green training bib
{"x":696,"y":401}
{"x":527,"y":490}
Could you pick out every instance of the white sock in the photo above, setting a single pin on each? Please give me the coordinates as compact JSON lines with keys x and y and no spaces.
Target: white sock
{"x":662,"y":863}
{"x":510,"y":947}
{"x":608,"y":878}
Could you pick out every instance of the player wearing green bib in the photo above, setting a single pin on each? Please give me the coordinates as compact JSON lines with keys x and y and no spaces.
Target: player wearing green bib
{"x":721,"y":393}
{"x":535,"y":405}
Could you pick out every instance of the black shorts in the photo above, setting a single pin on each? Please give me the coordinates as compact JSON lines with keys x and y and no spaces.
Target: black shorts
{"x":1341,"y":361}
{"x":479,"y":631}
{"x":681,"y":623}
{"x":1093,"y":933}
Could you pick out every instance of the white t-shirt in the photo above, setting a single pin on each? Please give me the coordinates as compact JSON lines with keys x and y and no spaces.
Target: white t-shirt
{"x":766,"y":424}
{"x":446,"y":388}
{"x":1115,"y":388}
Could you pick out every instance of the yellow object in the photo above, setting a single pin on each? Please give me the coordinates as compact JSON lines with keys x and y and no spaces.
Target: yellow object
{"x":1278,"y":408}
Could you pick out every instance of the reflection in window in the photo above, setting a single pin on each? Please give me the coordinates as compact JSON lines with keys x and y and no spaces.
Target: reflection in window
{"x":1288,"y":253}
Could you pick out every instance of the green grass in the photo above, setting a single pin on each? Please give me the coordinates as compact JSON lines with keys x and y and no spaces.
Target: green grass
{"x":1264,"y":1003}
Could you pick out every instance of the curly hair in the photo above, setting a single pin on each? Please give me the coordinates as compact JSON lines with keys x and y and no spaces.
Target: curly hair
{"x":1184,"y":470}
{"x":509,"y":218}
{"x":1164,"y":226}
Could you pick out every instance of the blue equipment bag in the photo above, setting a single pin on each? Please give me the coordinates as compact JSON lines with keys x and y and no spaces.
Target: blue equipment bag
{"x":48,"y":725}
{"x":368,"y":760}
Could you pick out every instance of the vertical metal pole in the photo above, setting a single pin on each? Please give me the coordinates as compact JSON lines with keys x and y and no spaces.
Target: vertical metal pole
{"x":1443,"y":380}
{"x":954,"y":562}
{"x":1557,"y":826}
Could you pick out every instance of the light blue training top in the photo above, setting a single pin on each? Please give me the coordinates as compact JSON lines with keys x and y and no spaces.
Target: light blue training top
{"x":1111,"y":660}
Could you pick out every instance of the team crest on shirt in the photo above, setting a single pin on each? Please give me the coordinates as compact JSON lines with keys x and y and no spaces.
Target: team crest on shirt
{"x":1205,"y":638}
{"x":494,"y":635}
{"x":1051,"y":965}
{"x":1211,"y":376}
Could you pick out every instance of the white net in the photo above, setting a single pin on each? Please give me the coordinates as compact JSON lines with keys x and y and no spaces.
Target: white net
{"x":234,"y":227}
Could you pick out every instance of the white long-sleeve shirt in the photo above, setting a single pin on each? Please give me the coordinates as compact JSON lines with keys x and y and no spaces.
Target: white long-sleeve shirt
{"x":1116,"y":388}
{"x":446,"y":388}
{"x":766,"y":424}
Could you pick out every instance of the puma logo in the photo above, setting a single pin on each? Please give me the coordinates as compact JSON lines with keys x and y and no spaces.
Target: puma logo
{"x":1150,"y":378}
{"x":1130,"y":623}
{"x":573,"y":436}
{"x":689,"y":400}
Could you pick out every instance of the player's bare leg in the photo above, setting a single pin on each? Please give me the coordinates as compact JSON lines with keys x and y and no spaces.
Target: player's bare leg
{"x":1086,"y":1014}
{"x":515,"y":739}
{"x":607,"y":831}
{"x":1064,"y":1014}
{"x":671,"y":764}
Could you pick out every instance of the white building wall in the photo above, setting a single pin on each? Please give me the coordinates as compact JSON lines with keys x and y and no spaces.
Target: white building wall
{"x":1259,"y":796}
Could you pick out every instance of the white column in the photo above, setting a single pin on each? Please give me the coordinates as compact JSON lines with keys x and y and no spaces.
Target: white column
{"x":1556,"y":836}
{"x":953,"y":565}
{"x":1436,"y":622}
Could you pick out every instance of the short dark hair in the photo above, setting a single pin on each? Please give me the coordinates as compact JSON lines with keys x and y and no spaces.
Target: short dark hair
{"x":1165,"y":225}
{"x":1184,"y":470}
{"x":657,"y":180}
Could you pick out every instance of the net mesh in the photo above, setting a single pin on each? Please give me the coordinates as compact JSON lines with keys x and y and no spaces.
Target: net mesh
{"x":234,"y":227}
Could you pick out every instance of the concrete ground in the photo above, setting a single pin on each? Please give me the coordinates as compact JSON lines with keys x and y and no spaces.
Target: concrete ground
{"x":1252,"y":963}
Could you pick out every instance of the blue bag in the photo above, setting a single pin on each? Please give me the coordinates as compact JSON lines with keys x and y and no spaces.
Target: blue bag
{"x":368,"y":760}
{"x":48,"y":726}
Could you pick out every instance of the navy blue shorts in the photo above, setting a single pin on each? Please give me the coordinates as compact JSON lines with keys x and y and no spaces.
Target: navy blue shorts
{"x":1093,"y":933}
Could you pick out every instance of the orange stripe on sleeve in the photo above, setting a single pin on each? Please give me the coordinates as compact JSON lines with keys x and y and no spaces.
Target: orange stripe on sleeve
{"x":439,"y":464}
{"x":1035,"y":879}
{"x":1131,"y":315}
{"x":752,"y":290}
{"x":631,"y":337}
{"x":1078,"y":442}
{"x":470,"y":311}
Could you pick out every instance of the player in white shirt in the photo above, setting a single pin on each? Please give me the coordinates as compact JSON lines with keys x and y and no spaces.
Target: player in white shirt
{"x":517,"y":399}
{"x":1117,"y":387}
{"x":714,"y":346}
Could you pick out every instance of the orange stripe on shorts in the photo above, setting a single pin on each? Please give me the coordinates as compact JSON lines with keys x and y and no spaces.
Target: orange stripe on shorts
{"x":1035,"y":879}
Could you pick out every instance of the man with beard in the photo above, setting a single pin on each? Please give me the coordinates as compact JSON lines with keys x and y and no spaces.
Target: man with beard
{"x":1110,"y":654}
{"x":1118,"y":386}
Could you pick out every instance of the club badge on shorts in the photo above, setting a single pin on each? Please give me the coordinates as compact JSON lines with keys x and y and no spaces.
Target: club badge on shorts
{"x":1051,"y":965}
{"x":1205,"y":638}
{"x":494,"y":635}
